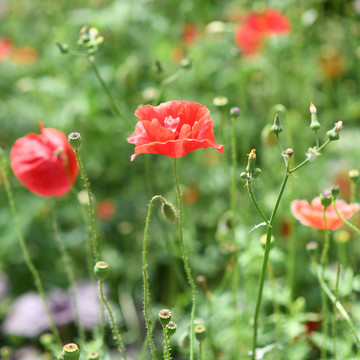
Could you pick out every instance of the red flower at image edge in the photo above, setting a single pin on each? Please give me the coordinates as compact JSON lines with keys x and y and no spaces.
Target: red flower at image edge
{"x":173,"y":129}
{"x":45,"y":164}
{"x":313,"y":215}
{"x":6,"y":48}
{"x":257,"y":27}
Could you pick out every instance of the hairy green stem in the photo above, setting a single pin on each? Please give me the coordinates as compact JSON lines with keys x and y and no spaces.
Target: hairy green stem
{"x":166,"y":345}
{"x":25,"y":251}
{"x":91,"y":208}
{"x":251,"y":193}
{"x":186,"y":264}
{"x":69,"y":272}
{"x":114,"y":330}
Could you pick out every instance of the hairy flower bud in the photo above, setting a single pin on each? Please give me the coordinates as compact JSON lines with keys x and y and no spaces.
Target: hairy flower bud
{"x":171,"y":328}
{"x":164,"y":316}
{"x":169,"y":212}
{"x":75,"y":140}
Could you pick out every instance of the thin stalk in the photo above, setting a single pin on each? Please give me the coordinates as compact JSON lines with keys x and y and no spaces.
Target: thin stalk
{"x":25,"y":251}
{"x":186,"y":264}
{"x":251,"y":193}
{"x":275,"y":302}
{"x":345,"y":221}
{"x":201,"y":350}
{"x":115,"y":332}
{"x":166,"y":346}
{"x":337,"y":303}
{"x":69,"y":272}
{"x":91,"y":208}
{"x":114,"y":107}
{"x":308,"y":159}
{"x":266,"y":260}
{"x":323,"y":294}
{"x":334,"y":308}
{"x":145,"y":275}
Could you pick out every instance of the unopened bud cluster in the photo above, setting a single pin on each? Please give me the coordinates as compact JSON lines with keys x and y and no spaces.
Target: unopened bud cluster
{"x":90,"y":40}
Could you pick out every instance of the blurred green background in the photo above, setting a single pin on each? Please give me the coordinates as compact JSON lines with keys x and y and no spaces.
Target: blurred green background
{"x":155,"y":51}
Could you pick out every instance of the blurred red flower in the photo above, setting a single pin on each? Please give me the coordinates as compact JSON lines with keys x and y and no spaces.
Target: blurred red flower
{"x":256,"y":27}
{"x":312,"y":215}
{"x":6,"y":48}
{"x":173,"y":129}
{"x":105,"y":210}
{"x":45,"y":164}
{"x":25,"y":55}
{"x":190,"y":34}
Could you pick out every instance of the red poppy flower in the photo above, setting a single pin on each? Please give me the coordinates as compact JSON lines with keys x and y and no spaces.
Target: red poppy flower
{"x":45,"y":164}
{"x":6,"y":48}
{"x":312,"y":215}
{"x":173,"y":129}
{"x":257,"y":27}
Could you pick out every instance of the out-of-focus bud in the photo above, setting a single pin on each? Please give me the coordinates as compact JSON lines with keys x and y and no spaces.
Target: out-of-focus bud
{"x":71,"y":352}
{"x":335,"y":189}
{"x":354,"y":174}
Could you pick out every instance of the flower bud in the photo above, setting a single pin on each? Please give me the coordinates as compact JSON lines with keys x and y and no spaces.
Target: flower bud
{"x":277,"y":128}
{"x":46,"y":340}
{"x":93,"y":355}
{"x":200,"y":332}
{"x":169,"y":212}
{"x":312,"y":248}
{"x":101,"y":270}
{"x":75,"y":140}
{"x":333,"y":134}
{"x":71,"y":352}
{"x":220,"y":101}
{"x":235,"y":112}
{"x":171,"y":328}
{"x":325,"y":198}
{"x":314,"y":125}
{"x":250,"y":168}
{"x":186,"y":63}
{"x":335,"y":189}
{"x":164,"y":316}
{"x":64,"y":48}
{"x":354,"y":174}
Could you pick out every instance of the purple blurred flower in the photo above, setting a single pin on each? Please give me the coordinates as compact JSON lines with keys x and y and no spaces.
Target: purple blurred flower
{"x":27,"y":317}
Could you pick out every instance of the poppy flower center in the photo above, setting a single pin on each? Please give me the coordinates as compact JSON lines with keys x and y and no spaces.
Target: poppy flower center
{"x":171,"y":123}
{"x":58,"y":151}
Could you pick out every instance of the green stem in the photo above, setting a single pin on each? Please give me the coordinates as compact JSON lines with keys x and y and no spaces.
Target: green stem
{"x":25,"y":251}
{"x":307,"y":160}
{"x":166,"y":346}
{"x":145,"y":274}
{"x":345,"y":221}
{"x":251,"y":193}
{"x":186,"y":264}
{"x":115,"y":332}
{"x":337,"y":303}
{"x":334,"y":308}
{"x":266,"y":259}
{"x":114,"y":107}
{"x":201,"y":350}
{"x":91,"y":208}
{"x":323,"y":294}
{"x":70,"y":273}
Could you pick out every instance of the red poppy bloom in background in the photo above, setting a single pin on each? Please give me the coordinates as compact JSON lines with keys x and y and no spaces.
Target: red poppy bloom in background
{"x":256,"y":27}
{"x":173,"y":129}
{"x":313,"y":215}
{"x":6,"y":48}
{"x":45,"y":164}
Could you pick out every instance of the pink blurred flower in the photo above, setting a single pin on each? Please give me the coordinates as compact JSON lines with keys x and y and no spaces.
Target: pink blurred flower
{"x":312,"y":215}
{"x":6,"y":48}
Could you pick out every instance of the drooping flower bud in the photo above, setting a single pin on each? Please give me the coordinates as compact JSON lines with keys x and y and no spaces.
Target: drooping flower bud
{"x":71,"y":352}
{"x":101,"y":270}
{"x":75,"y":140}
{"x":164,"y":316}
{"x":314,"y":125}
{"x":335,"y":189}
{"x":277,"y":128}
{"x":326,"y":198}
{"x":169,"y":212}
{"x":200,"y":332}
{"x":333,"y":134}
{"x":171,"y":328}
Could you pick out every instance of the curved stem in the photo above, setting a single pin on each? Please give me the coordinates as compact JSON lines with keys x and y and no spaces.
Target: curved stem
{"x":186,"y":264}
{"x":251,"y":193}
{"x":91,"y":208}
{"x":115,"y":332}
{"x":345,"y":221}
{"x":70,"y":273}
{"x":334,"y":330}
{"x":25,"y":251}
{"x":114,"y":107}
